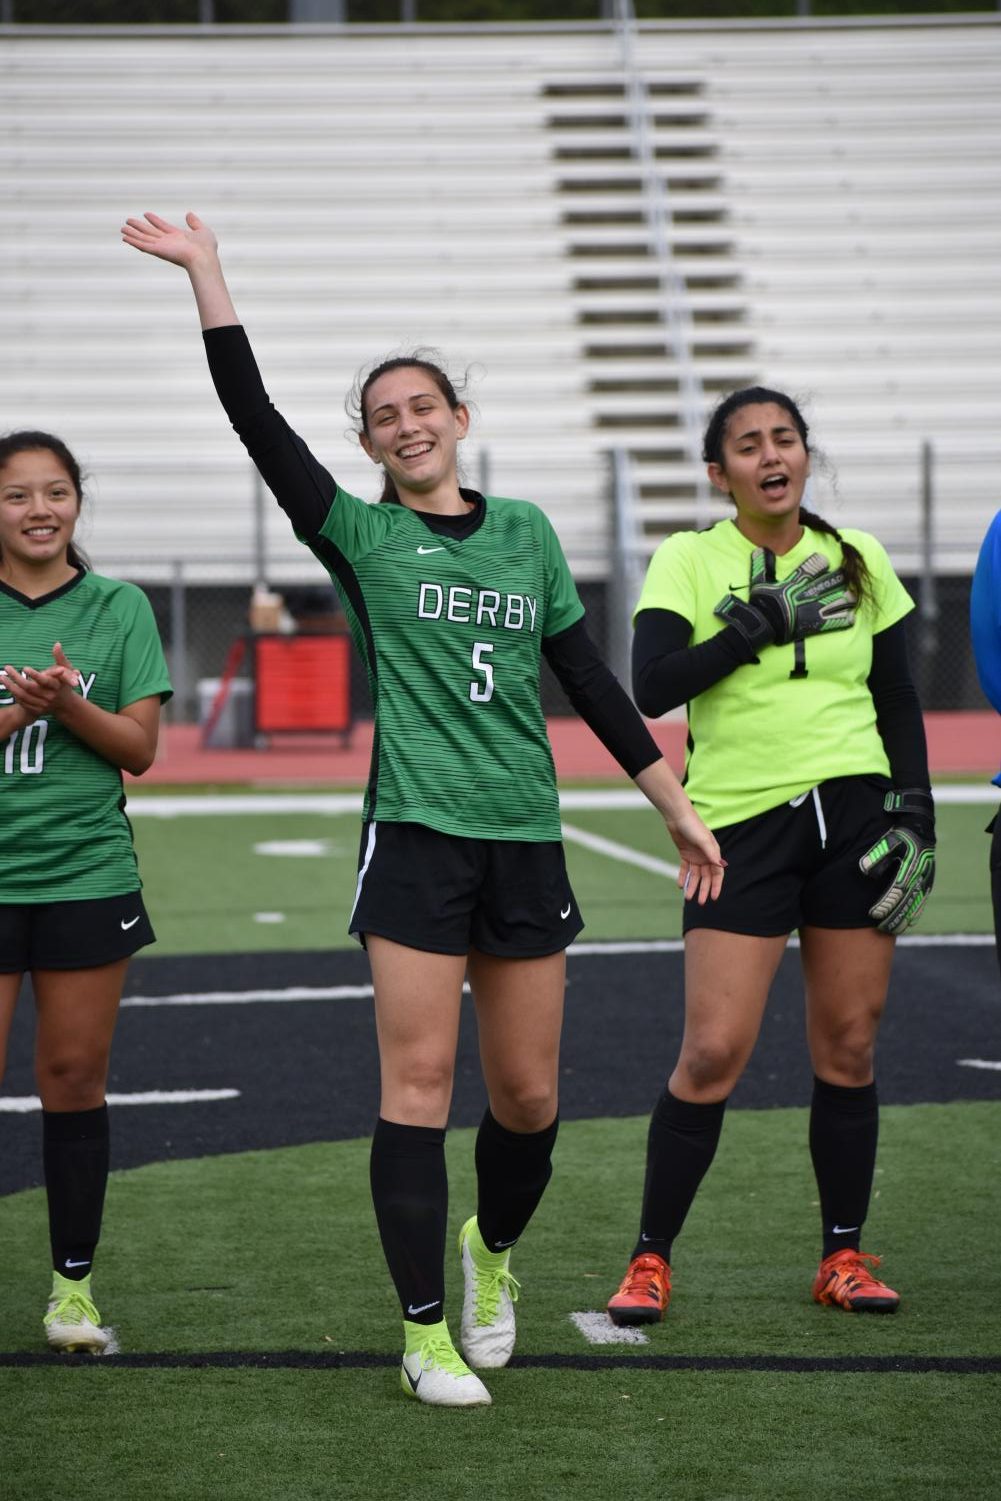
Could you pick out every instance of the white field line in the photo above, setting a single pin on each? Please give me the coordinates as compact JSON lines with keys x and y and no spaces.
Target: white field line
{"x":295,"y":993}
{"x":622,"y":852}
{"x":598,"y":1329}
{"x":253,"y":997}
{"x":248,"y":997}
{"x":22,"y":1104}
{"x":677,"y":945}
{"x":333,"y":803}
{"x":249,"y":802}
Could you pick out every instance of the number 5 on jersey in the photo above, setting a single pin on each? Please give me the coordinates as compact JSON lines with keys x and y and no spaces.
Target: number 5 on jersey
{"x":482,"y":693}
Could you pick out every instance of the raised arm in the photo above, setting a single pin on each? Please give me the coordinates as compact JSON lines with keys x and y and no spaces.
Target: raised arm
{"x":299,"y":482}
{"x":196,"y":251}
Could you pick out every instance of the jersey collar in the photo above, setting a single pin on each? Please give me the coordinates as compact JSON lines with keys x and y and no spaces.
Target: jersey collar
{"x":43,"y":599}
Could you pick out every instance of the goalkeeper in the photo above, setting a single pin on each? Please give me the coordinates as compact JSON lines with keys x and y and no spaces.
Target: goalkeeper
{"x":807,"y":759}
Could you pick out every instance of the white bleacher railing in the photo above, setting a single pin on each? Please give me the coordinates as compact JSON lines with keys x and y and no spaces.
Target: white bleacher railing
{"x":835,"y":219}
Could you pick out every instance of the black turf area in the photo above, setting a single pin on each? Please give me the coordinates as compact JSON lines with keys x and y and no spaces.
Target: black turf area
{"x":307,"y":1071}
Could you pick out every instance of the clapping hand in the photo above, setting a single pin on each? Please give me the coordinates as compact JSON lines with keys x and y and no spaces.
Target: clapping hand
{"x":39,"y":692}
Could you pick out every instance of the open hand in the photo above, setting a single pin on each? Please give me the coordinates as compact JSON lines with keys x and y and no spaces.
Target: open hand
{"x":702,"y":864}
{"x":182,"y":247}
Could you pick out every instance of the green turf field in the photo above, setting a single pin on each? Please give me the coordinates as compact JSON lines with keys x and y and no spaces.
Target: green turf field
{"x":277,"y":1251}
{"x":207,"y":885}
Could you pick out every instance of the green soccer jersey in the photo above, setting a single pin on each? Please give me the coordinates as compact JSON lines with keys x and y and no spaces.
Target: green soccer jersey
{"x":760,"y":737}
{"x":66,"y":836}
{"x":450,"y":630}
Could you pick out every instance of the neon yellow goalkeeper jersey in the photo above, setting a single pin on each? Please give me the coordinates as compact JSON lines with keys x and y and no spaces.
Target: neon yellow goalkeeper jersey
{"x":760,"y":737}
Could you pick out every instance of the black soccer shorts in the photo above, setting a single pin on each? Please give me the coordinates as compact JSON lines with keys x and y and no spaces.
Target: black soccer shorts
{"x":446,"y":894}
{"x":72,"y":935}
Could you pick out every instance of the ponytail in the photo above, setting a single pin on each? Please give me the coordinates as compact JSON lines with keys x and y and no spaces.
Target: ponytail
{"x":853,"y":564}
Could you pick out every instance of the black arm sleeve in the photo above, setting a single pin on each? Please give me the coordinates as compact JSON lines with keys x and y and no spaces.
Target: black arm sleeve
{"x":898,"y":711}
{"x":299,"y":483}
{"x":668,"y":672}
{"x":599,"y":698}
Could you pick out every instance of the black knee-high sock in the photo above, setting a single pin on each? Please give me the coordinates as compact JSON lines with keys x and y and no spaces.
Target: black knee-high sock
{"x":512,"y":1170}
{"x":844,"y":1127}
{"x":681,"y":1144}
{"x":410,"y":1194}
{"x":75,"y":1152}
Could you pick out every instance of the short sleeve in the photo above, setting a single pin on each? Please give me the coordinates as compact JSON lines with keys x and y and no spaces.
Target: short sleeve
{"x":563,"y":604}
{"x":890,"y":600}
{"x":670,"y":582}
{"x":354,"y":527}
{"x":144,"y":667}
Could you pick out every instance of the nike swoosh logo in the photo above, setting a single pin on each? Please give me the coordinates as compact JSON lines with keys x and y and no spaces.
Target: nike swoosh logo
{"x":843,"y":1229}
{"x":566,"y":914}
{"x":413,"y":1384}
{"x":502,"y":1245}
{"x":127,"y":925}
{"x":424,"y":1306}
{"x":425,"y":550}
{"x":76,"y":1263}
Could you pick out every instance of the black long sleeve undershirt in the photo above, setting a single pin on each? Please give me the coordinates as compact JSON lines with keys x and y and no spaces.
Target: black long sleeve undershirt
{"x":898,"y":709}
{"x":305,"y":491}
{"x":667,"y":672}
{"x":599,"y":698}
{"x":301,"y":485}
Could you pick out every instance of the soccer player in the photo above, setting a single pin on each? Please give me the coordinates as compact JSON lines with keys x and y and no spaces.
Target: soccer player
{"x":80,"y":693}
{"x":985,"y":628}
{"x":451,"y":598}
{"x":807,"y":759}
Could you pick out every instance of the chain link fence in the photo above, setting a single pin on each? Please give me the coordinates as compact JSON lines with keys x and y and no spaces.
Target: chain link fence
{"x":200,"y":621}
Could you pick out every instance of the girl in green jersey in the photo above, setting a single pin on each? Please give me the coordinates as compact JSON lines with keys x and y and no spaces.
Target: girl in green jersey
{"x":80,"y":693}
{"x":786,"y":640}
{"x":452,"y":598}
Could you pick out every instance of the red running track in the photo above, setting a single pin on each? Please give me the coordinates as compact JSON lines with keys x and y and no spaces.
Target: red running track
{"x":963,"y":744}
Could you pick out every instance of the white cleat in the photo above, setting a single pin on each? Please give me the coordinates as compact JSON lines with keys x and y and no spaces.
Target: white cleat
{"x":435,"y":1373}
{"x":73,"y":1324}
{"x":487,"y":1305}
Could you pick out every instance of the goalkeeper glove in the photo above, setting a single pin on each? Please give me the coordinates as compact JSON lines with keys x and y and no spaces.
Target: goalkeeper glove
{"x":911,"y":842}
{"x":810,"y":601}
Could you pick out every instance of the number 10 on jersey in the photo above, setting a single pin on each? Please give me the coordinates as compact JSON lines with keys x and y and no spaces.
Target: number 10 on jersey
{"x":32,"y":749}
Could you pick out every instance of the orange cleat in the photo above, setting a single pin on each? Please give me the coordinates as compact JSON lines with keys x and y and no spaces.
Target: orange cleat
{"x":644,"y":1294}
{"x":845,"y":1281}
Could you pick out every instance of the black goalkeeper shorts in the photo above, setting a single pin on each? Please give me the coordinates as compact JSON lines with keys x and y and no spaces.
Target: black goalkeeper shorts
{"x":798,"y":864}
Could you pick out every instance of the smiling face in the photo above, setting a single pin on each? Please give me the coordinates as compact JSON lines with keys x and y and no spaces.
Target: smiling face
{"x":764,"y":465}
{"x":39,"y":506}
{"x":413,"y":431}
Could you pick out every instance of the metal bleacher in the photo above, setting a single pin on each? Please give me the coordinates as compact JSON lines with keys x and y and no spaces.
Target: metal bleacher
{"x":834,"y":215}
